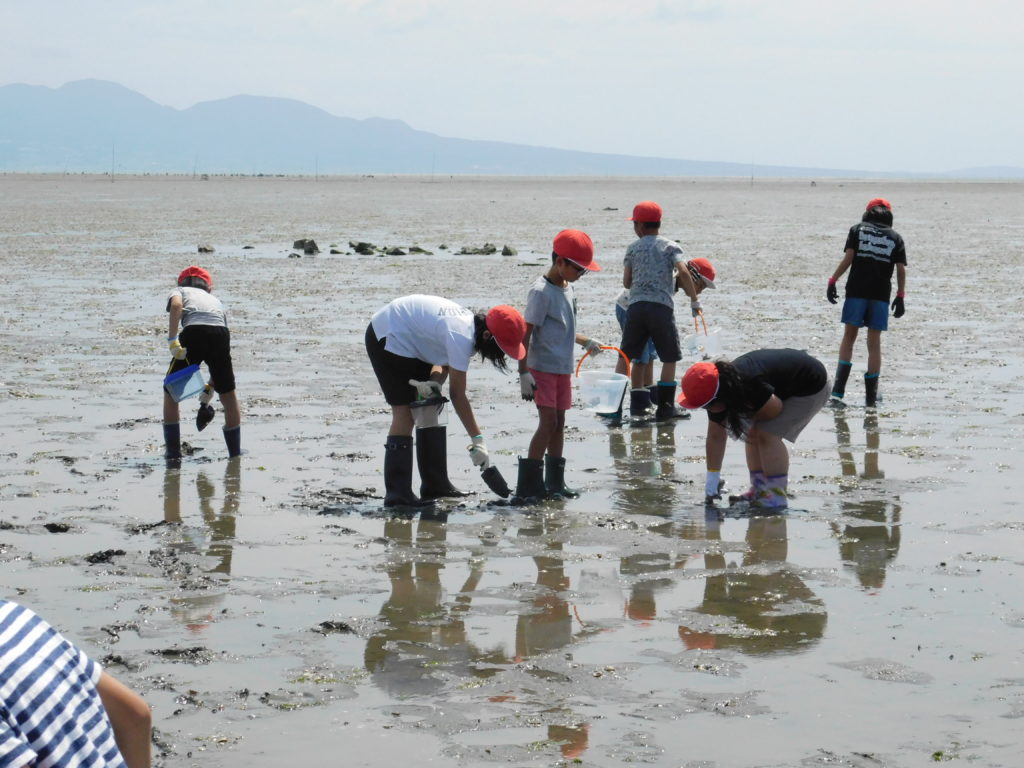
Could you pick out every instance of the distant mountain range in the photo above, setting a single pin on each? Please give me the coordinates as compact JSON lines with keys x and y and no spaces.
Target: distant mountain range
{"x":95,"y":126}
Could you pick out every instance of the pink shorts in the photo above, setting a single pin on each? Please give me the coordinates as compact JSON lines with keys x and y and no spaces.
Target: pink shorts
{"x":554,"y":390}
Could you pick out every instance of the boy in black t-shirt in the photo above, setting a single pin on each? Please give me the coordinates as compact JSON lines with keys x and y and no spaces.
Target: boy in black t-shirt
{"x":873,"y":250}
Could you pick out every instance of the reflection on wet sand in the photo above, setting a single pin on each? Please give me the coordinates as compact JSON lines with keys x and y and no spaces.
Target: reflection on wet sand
{"x":214,"y":539}
{"x":644,"y":467}
{"x":423,"y":638}
{"x":868,"y":546}
{"x":763,"y":605}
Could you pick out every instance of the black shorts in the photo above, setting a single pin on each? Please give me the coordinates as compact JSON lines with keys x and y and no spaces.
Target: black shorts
{"x":210,"y":344}
{"x":657,"y":322}
{"x":394,"y":371}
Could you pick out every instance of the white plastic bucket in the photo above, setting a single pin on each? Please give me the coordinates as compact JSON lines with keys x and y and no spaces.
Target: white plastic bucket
{"x":704,"y":346}
{"x":430,"y":412}
{"x":183,"y":384}
{"x":602,"y":391}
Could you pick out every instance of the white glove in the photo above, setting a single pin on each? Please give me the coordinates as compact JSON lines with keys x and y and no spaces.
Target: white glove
{"x":478,"y":453}
{"x":426,"y":389}
{"x":527,"y":385}
{"x":713,"y":486}
{"x":593,"y":347}
{"x":695,"y":307}
{"x":177,"y":350}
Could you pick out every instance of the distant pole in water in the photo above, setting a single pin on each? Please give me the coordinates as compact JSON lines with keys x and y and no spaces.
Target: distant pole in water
{"x":195,"y":162}
{"x":751,"y":173}
{"x":433,"y":162}
{"x":316,"y":168}
{"x":111,"y":161}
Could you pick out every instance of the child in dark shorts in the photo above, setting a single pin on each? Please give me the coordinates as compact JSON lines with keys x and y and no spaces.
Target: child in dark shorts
{"x":204,"y":338}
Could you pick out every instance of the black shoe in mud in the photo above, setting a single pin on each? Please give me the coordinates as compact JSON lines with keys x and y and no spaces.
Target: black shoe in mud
{"x":205,"y":416}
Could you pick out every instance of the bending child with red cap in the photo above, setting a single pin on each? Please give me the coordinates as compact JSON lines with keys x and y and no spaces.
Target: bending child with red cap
{"x":545,"y":374}
{"x":415,"y":344}
{"x":204,"y":338}
{"x":873,"y":249}
{"x":761,"y":397}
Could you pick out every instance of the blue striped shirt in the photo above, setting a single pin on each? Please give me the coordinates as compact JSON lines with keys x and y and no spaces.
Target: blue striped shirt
{"x":50,"y":711}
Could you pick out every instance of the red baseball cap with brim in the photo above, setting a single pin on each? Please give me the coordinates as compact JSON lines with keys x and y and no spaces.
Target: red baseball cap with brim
{"x":648,"y":212}
{"x":705,"y":270}
{"x":577,"y":247}
{"x":508,"y":328}
{"x":699,"y":385}
{"x":195,"y":271}
{"x":878,"y":201}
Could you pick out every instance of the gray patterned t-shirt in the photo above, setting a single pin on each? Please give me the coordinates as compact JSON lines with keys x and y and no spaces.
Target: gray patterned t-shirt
{"x":654,"y":261}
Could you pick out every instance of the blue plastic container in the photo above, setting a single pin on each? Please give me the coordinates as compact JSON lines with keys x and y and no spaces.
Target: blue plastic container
{"x":183,"y":384}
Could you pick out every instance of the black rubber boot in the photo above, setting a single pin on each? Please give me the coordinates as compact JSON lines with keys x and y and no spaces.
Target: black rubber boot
{"x":640,"y":406}
{"x":530,"y":483}
{"x":554,"y":478}
{"x":870,"y":389}
{"x":666,"y":399}
{"x":172,"y":441}
{"x":398,"y":473}
{"x":432,"y":460}
{"x":233,"y":440}
{"x":843,"y":368}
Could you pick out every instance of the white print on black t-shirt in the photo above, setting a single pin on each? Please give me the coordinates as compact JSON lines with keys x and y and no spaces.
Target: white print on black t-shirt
{"x":874,"y":246}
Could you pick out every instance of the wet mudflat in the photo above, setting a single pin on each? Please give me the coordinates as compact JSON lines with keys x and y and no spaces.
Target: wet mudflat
{"x":270,"y":611}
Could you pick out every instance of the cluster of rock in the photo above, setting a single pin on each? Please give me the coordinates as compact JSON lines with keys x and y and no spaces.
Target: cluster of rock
{"x":309,"y":247}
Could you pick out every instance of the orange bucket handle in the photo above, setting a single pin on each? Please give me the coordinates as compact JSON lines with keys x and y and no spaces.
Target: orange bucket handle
{"x":615,"y":348}
{"x":695,"y":328}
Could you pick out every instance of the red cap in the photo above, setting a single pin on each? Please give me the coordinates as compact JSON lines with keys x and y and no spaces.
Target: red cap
{"x":508,"y":328}
{"x":647,"y":212}
{"x":879,"y":201}
{"x":577,"y":247}
{"x":700,"y":385}
{"x":704,"y":269}
{"x":195,"y":271}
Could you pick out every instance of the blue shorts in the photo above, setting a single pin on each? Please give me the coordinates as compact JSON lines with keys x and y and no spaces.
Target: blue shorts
{"x":870,"y":312}
{"x":650,"y":321}
{"x":649,"y":352}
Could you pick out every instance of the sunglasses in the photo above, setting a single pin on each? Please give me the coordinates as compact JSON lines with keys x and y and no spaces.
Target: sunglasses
{"x":579,"y":270}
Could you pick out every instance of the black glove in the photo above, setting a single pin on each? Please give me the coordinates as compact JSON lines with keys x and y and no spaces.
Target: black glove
{"x":832,"y":293}
{"x":897,"y":307}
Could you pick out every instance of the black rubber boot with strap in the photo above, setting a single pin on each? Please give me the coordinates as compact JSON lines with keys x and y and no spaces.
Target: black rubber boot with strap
{"x":554,"y":478}
{"x":432,"y":461}
{"x":530,"y":486}
{"x":398,"y":473}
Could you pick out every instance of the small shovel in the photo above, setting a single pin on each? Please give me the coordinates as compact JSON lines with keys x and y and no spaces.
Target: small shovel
{"x":495,"y":481}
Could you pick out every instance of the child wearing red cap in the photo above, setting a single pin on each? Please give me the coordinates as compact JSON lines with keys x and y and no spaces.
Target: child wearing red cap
{"x":204,"y":338}
{"x":654,"y":268}
{"x":873,"y":249}
{"x":415,"y":343}
{"x":761,"y":397}
{"x":545,"y":374}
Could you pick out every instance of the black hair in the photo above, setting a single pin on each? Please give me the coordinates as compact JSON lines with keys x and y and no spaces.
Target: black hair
{"x":646,"y":225}
{"x":878,"y":214}
{"x":488,"y":348}
{"x":194,"y":282}
{"x":732,"y":393}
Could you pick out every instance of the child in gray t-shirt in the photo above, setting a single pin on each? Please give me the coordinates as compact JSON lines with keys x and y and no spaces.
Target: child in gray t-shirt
{"x":545,"y":374}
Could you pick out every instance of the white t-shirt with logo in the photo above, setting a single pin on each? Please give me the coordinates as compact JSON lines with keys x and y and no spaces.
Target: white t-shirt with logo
{"x":428,"y":328}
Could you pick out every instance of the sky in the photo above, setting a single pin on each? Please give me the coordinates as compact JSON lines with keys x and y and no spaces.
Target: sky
{"x":911,"y":85}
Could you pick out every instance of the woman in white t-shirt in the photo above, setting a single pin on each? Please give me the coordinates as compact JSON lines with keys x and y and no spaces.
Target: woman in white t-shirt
{"x":416,"y":343}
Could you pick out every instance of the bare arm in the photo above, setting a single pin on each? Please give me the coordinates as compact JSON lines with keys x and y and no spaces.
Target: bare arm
{"x":175,"y":308}
{"x":901,"y":278}
{"x":130,"y":717}
{"x":769,"y":410}
{"x":684,"y":280}
{"x":526,"y":343}
{"x":460,"y":401}
{"x":844,"y":264}
{"x":714,"y":446}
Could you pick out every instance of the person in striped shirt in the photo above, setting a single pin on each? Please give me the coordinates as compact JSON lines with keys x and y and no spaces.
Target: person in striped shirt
{"x":58,"y":708}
